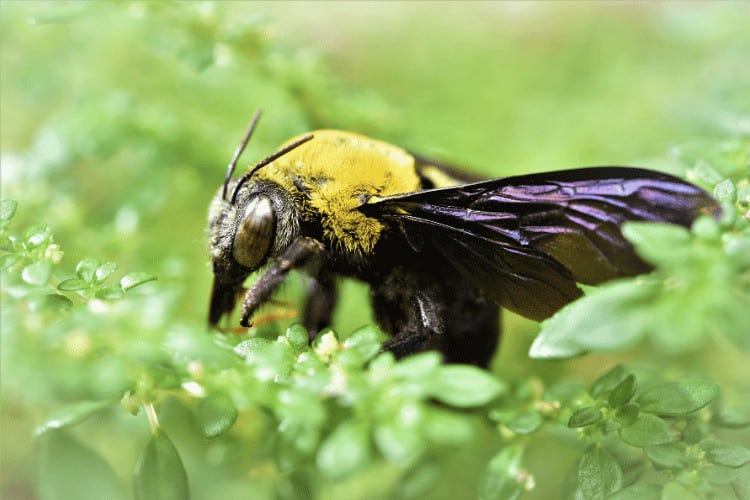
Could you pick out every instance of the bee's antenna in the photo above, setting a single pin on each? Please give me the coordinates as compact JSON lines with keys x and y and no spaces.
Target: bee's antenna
{"x":238,"y":152}
{"x":278,"y":154}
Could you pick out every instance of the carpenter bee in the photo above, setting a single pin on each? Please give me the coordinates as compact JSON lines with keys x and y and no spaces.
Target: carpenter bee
{"x":440,"y":254}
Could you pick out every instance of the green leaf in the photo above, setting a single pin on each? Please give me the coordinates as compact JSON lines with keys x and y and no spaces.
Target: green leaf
{"x":500,"y":478}
{"x":7,"y":210}
{"x":366,"y":340}
{"x":216,"y":414}
{"x":397,"y":443}
{"x":37,"y":234}
{"x":102,"y":272}
{"x":728,"y":455}
{"x":646,"y":430}
{"x":346,"y":450}
{"x":132,"y":280}
{"x":465,"y":386}
{"x":640,"y":491}
{"x":608,"y":381}
{"x":623,"y":392}
{"x":446,"y":427}
{"x":86,"y":269}
{"x":582,"y":417}
{"x":71,"y":415}
{"x":720,"y":475}
{"x":50,"y":302}
{"x":37,"y":273}
{"x":668,"y":456}
{"x":677,"y":398}
{"x":418,"y":366}
{"x":298,"y":338}
{"x":8,"y":260}
{"x":627,"y":413}
{"x":675,"y":491}
{"x":741,"y":487}
{"x":159,"y":473}
{"x":68,"y":469}
{"x":656,"y":243}
{"x":72,"y":285}
{"x":587,"y":324}
{"x":733,"y":418}
{"x":526,"y":422}
{"x":599,"y":474}
{"x":111,"y":292}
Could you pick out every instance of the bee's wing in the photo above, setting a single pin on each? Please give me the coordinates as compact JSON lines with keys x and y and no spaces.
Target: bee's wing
{"x":527,"y":240}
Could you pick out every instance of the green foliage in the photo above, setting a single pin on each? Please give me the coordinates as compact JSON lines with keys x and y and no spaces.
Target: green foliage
{"x":128,"y":395}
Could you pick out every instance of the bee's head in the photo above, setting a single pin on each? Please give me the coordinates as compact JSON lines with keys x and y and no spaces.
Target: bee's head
{"x":243,"y":219}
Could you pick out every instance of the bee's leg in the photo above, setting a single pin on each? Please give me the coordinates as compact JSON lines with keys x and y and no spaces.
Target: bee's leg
{"x":411,"y":306}
{"x":472,"y":326}
{"x":425,"y":311}
{"x":303,"y":252}
{"x":321,"y":300}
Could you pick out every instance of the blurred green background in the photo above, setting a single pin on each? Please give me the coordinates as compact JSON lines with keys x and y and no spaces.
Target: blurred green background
{"x":117,"y":120}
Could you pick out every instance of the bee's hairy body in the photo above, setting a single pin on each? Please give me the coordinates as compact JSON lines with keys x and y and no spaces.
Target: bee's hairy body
{"x":341,"y":204}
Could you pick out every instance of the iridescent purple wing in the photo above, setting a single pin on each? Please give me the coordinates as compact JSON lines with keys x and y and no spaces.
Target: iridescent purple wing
{"x":527,"y":240}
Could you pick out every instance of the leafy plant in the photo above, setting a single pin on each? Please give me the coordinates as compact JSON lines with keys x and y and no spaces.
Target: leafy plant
{"x":126,"y":393}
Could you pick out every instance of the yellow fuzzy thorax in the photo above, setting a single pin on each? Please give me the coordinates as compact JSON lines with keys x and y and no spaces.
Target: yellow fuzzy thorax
{"x":337,"y":172}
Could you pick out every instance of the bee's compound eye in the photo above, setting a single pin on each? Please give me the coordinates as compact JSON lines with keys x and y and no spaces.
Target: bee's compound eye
{"x":255,"y":233}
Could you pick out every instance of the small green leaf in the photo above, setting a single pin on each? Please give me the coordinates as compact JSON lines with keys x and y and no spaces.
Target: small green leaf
{"x":366,"y":340}
{"x":50,"y":302}
{"x":599,"y":474}
{"x":37,"y":273}
{"x":646,"y":430}
{"x":656,"y":242}
{"x":448,"y":428}
{"x":675,"y":491}
{"x":298,"y":337}
{"x":608,"y":381}
{"x":102,"y":272}
{"x":398,"y":444}
{"x":8,"y":260}
{"x":725,"y":191}
{"x":693,"y":431}
{"x":71,"y":415}
{"x":417,"y":366}
{"x":627,"y":413}
{"x":86,"y":269}
{"x":216,"y":414}
{"x":526,"y":422}
{"x":587,"y":324}
{"x":346,"y":450}
{"x":69,"y":469}
{"x":500,"y":480}
{"x":677,"y":398}
{"x":7,"y":210}
{"x":640,"y":491}
{"x":728,"y":455}
{"x":623,"y":392}
{"x":588,"y":415}
{"x":111,"y":292}
{"x":159,"y":473}
{"x":465,"y":386}
{"x":741,"y":487}
{"x":72,"y":285}
{"x":722,"y":476}
{"x":132,"y":280}
{"x":668,"y":456}
{"x":733,"y":418}
{"x":36,"y":235}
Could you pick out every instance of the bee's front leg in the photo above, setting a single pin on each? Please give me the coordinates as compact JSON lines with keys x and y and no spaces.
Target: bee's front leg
{"x":302,"y":252}
{"x":321,"y":299}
